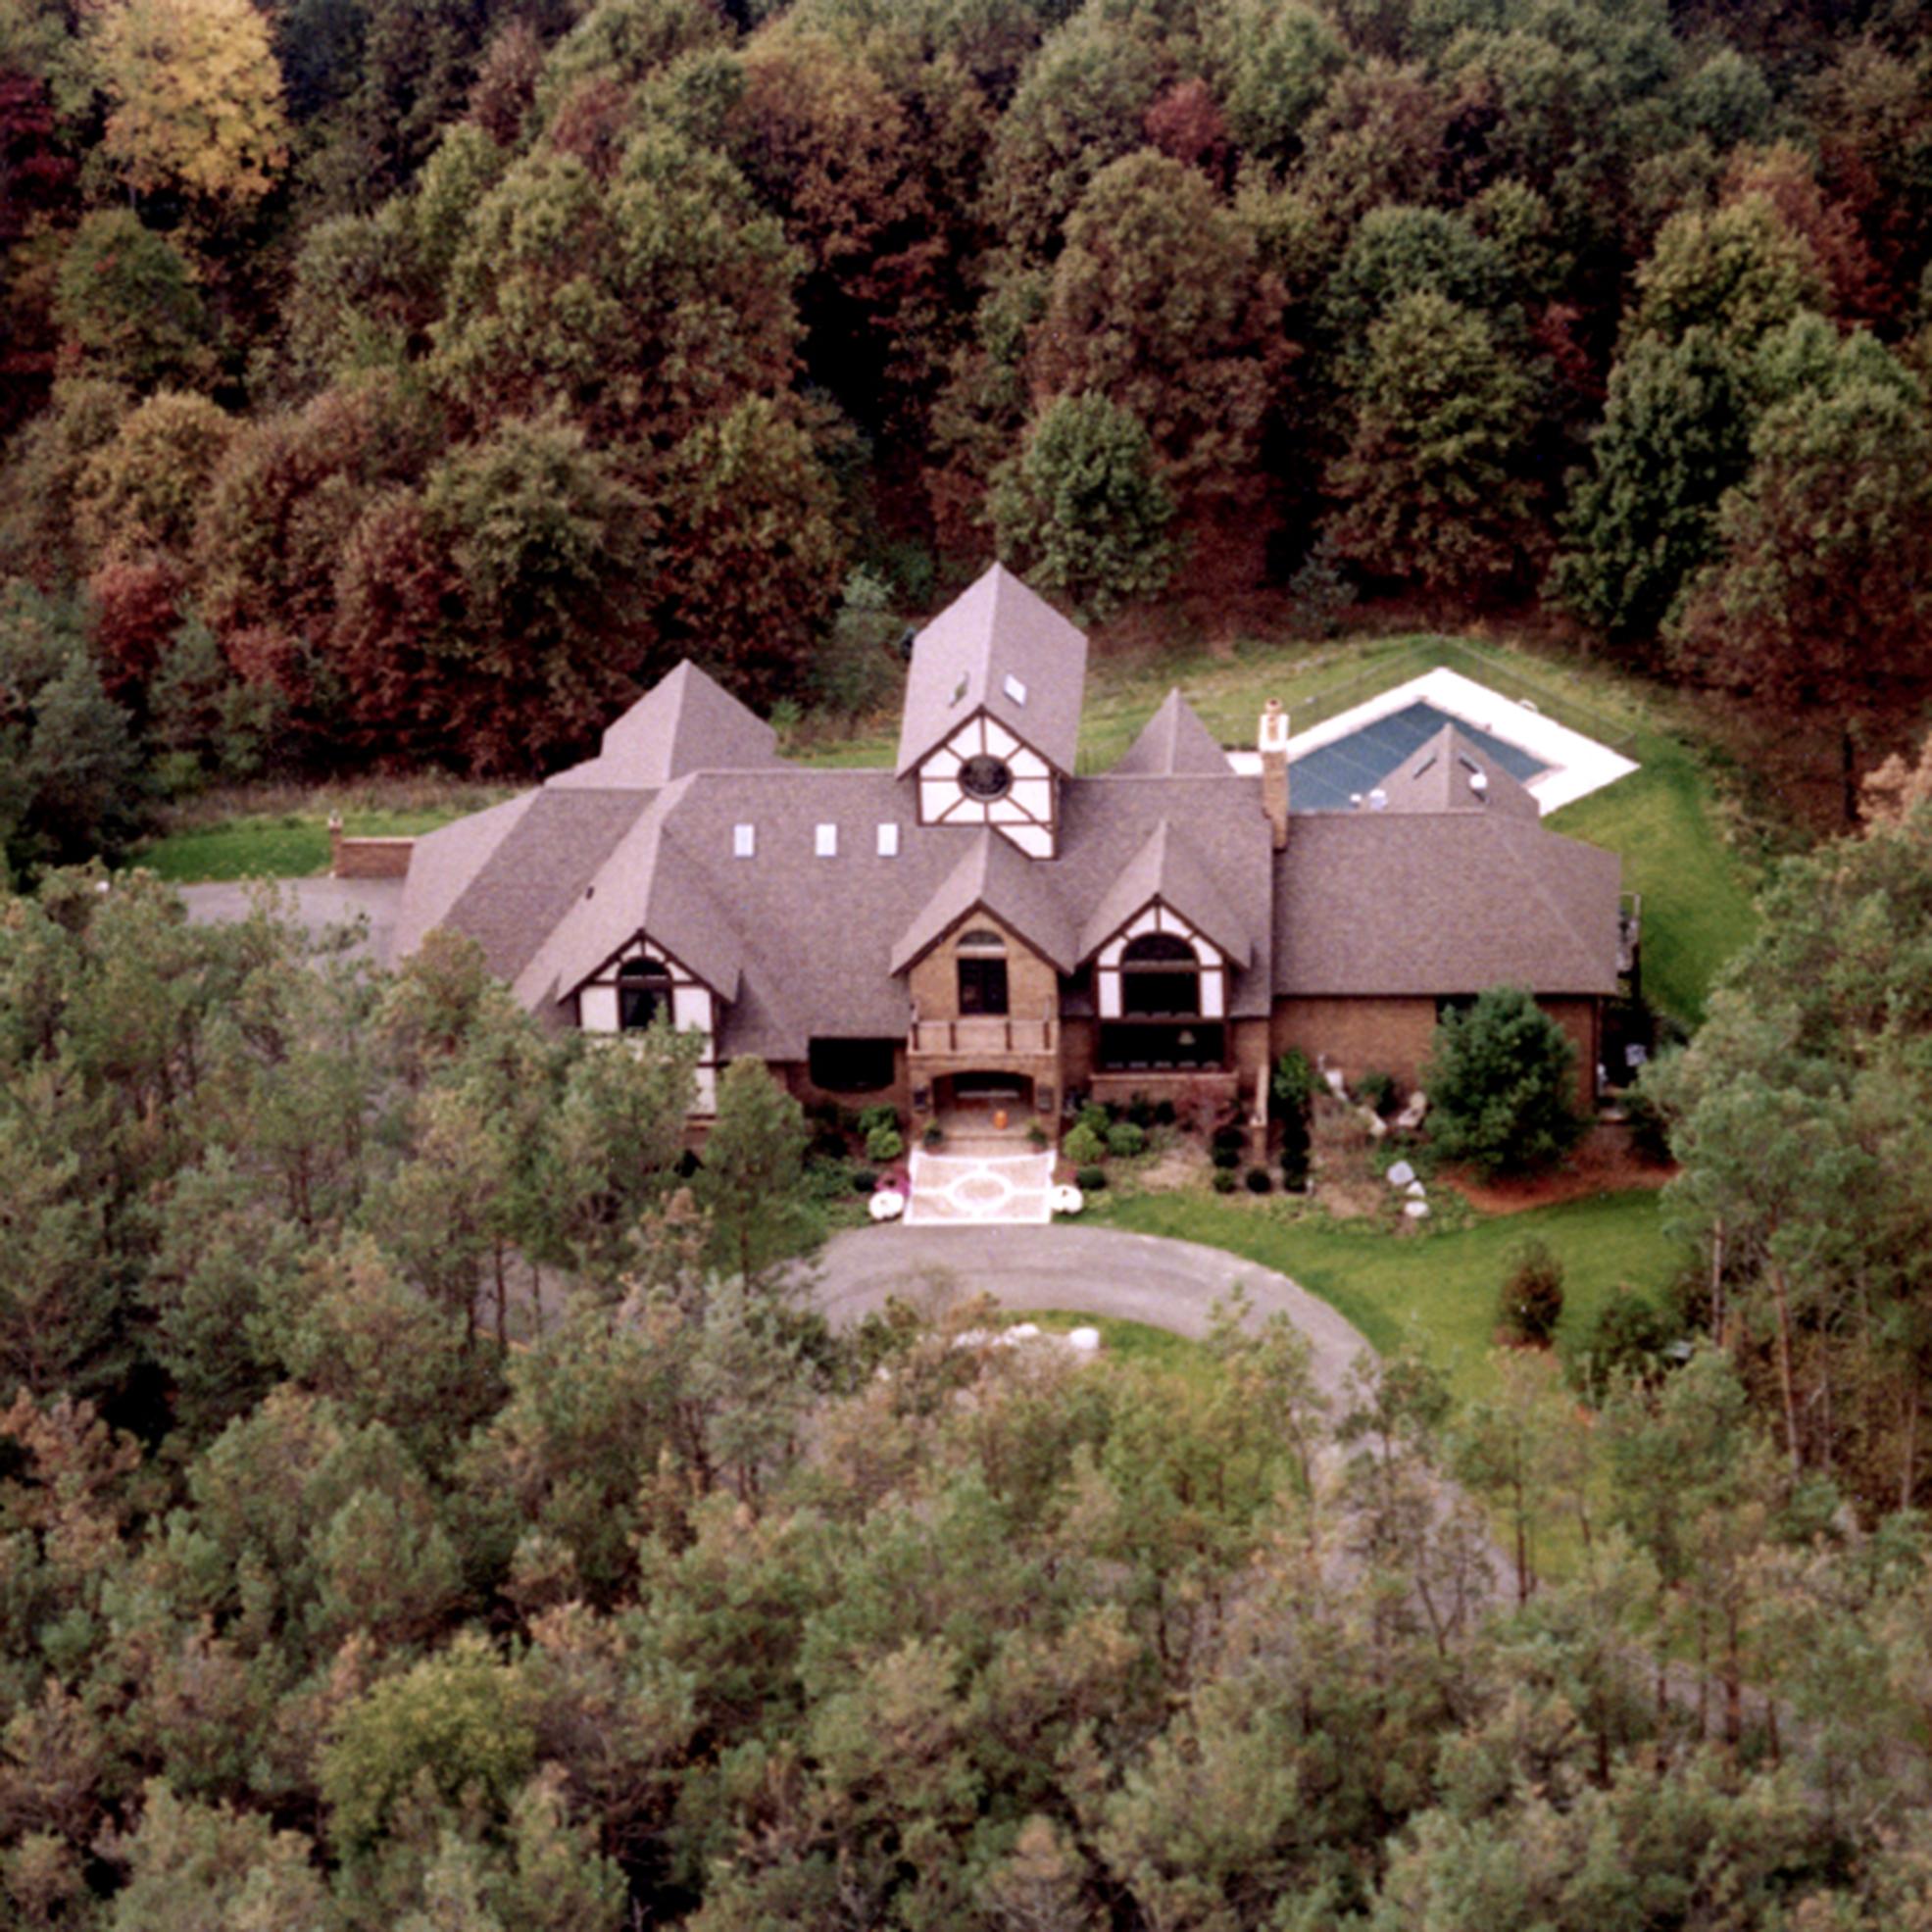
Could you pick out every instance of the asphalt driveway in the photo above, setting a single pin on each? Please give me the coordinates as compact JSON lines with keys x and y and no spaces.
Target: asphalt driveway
{"x":1090,"y":1271}
{"x":314,"y":903}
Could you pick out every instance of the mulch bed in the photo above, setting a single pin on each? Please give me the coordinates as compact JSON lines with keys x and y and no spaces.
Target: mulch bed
{"x":1603,"y":1163}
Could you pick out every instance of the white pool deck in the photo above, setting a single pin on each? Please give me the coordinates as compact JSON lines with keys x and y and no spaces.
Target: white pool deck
{"x":1576,"y":765}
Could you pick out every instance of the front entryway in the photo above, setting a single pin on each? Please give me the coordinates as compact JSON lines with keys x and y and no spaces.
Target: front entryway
{"x":980,"y":1189}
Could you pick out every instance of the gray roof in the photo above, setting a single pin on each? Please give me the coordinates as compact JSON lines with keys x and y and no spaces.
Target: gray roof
{"x":686,"y":723}
{"x":1442,"y":903}
{"x":993,"y":641}
{"x":529,"y":878}
{"x":443,"y":863}
{"x":1442,"y":893}
{"x":1167,"y":869}
{"x":1436,"y":777}
{"x":995,"y":877}
{"x":1172,"y":741}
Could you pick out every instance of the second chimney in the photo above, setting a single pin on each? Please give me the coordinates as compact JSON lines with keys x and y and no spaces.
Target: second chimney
{"x":1275,"y":770}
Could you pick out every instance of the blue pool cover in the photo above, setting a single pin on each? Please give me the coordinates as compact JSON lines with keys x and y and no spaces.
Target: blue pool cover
{"x":1323,"y":779}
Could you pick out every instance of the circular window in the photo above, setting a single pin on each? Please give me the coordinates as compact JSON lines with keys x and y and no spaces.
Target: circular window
{"x":985,"y":776}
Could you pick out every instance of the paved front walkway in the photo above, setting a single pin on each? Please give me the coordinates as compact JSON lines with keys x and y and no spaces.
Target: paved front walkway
{"x":981,"y":1190}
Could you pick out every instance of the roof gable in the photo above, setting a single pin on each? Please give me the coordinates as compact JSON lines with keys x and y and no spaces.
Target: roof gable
{"x":1169,"y":869}
{"x":686,"y":723}
{"x":1174,"y":742}
{"x":1002,"y":649}
{"x":1451,"y":773}
{"x":991,"y":876}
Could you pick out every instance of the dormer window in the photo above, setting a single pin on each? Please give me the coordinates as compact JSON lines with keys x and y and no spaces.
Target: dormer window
{"x":744,"y":841}
{"x":825,"y":842}
{"x":643,"y":992}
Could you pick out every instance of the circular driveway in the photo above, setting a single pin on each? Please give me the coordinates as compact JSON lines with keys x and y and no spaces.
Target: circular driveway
{"x":1090,"y":1271}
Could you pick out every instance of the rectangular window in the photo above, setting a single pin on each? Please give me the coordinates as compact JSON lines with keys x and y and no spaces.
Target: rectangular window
{"x":889,"y":841}
{"x":744,"y":841}
{"x":826,"y":844}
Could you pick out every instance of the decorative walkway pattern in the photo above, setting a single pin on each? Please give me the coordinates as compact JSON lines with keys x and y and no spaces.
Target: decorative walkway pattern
{"x":981,"y":1190}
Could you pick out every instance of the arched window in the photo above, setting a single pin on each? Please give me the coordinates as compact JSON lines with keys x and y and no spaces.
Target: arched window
{"x":643,"y":992}
{"x":1159,"y":974}
{"x":983,"y":964}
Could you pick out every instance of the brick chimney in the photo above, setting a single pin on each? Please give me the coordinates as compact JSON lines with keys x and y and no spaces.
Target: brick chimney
{"x":1274,"y":769}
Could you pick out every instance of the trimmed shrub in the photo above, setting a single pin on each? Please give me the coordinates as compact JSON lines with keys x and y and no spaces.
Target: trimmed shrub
{"x":1260,"y":1182}
{"x":1225,"y":1158}
{"x":1095,"y":1119}
{"x":865,"y":1181}
{"x":1163,"y":1113}
{"x":1230,"y":1136}
{"x":884,"y":1143}
{"x":1090,"y":1180}
{"x":1140,"y":1110}
{"x":873,"y":1119}
{"x":934,"y":1134}
{"x":1293,"y":1086}
{"x":1223,"y":1180}
{"x":1126,"y":1140}
{"x":1532,"y":1299}
{"x":1036,"y":1135}
{"x":1295,"y":1166}
{"x":1083,"y":1146}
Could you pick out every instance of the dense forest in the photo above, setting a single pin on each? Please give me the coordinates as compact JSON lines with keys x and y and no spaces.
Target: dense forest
{"x":324,"y":1609}
{"x":403,"y":381}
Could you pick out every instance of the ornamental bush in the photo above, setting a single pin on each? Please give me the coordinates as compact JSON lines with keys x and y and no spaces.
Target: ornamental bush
{"x":1532,"y":1299}
{"x":884,"y":1143}
{"x":1223,"y":1180}
{"x":1260,"y":1182}
{"x":1502,"y":1085}
{"x":1125,"y":1139}
{"x":1090,"y":1180}
{"x":1083,"y":1146}
{"x":1225,"y":1158}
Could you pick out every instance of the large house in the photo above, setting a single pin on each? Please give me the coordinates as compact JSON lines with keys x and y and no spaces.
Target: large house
{"x":982,"y":920}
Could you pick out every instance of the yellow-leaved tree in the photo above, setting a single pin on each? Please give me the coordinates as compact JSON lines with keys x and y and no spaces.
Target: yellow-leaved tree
{"x":194,"y":95}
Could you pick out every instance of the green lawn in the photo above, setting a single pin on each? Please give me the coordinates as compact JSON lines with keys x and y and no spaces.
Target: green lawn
{"x":287,"y":846}
{"x":1435,"y":1291}
{"x":1696,"y":908}
{"x":1128,"y":1341}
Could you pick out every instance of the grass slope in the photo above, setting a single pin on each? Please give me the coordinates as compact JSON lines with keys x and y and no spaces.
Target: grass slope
{"x":1435,"y":1292}
{"x":283,"y":845}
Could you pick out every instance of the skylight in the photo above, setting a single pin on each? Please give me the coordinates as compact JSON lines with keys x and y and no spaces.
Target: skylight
{"x":744,"y":841}
{"x":1013,"y":688}
{"x":826,"y":843}
{"x":888,"y":839}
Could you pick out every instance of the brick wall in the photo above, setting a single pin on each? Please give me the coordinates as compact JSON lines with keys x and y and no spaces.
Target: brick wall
{"x":1358,"y":1035}
{"x":367,"y":858}
{"x":1392,"y":1035}
{"x":1033,"y":984}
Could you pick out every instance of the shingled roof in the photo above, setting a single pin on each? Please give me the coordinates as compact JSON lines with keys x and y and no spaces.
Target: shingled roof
{"x":1441,"y":776}
{"x":1442,"y":903}
{"x":1169,"y":869}
{"x":686,"y":723}
{"x":1172,"y":741}
{"x":1002,"y":649}
{"x":995,"y":877}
